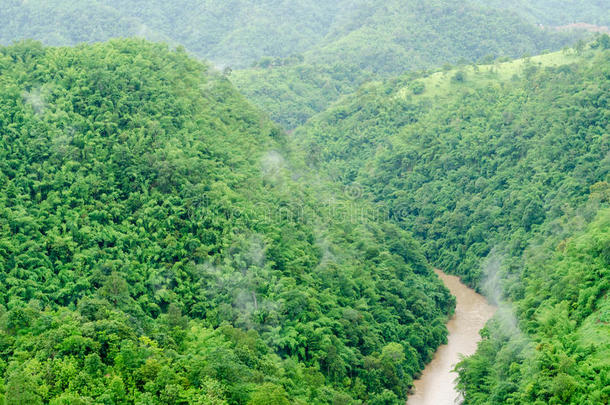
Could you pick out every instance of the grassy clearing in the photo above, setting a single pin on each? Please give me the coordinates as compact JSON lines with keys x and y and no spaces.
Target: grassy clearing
{"x":442,"y":83}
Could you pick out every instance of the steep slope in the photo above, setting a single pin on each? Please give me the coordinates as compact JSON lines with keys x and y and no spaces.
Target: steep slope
{"x":235,"y":32}
{"x":308,"y":52}
{"x":561,"y":355}
{"x":557,"y":12}
{"x":158,"y":244}
{"x":498,"y":170}
{"x":239,"y":32}
{"x":476,"y":156}
{"x":391,"y":36}
{"x":383,"y":39}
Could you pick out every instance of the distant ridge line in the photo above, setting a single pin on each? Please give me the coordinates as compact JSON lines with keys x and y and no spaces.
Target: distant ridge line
{"x":578,"y":26}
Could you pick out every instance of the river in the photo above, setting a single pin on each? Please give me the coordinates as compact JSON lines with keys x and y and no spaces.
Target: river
{"x":436,"y":386}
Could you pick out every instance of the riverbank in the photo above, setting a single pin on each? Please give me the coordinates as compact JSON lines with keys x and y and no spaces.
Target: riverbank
{"x":436,"y":386}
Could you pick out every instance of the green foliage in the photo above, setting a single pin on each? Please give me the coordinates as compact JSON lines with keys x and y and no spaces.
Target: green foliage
{"x":159,"y":244}
{"x":498,"y":175}
{"x":269,"y":394}
{"x":563,"y":359}
{"x":377,"y":39}
{"x":21,"y":389}
{"x":161,"y":241}
{"x":556,"y":12}
{"x":239,"y":32}
{"x":291,"y":94}
{"x":306,"y":53}
{"x":481,"y":168}
{"x":418,"y":88}
{"x":234,"y":33}
{"x":459,"y":77}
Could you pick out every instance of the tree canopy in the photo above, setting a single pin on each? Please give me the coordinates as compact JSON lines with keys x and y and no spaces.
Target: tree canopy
{"x":160,"y":244}
{"x":295,"y":58}
{"x":502,"y":172}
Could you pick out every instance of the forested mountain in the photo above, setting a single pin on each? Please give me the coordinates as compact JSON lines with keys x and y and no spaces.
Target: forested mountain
{"x":556,"y":12}
{"x":234,"y":32}
{"x":158,"y":244}
{"x":497,"y":169}
{"x":238,"y":32}
{"x":307,"y":53}
{"x":163,"y":241}
{"x":454,"y":154}
{"x":384,"y":38}
{"x":561,"y":355}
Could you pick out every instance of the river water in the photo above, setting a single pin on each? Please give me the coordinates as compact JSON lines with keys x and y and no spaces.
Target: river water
{"x":436,"y":386}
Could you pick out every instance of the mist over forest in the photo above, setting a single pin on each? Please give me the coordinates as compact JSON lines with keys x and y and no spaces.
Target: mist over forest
{"x":245,"y":202}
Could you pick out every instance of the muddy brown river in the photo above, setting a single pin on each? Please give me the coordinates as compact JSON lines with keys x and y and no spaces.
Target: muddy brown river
{"x":436,"y":386}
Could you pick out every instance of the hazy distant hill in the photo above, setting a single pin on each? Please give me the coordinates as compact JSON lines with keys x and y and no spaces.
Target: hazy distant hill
{"x":384,"y":38}
{"x":308,"y":52}
{"x":238,"y":32}
{"x":556,"y":12}
{"x":233,"y":32}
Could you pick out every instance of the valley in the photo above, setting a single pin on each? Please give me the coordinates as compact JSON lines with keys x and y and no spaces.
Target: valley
{"x":472,"y":311}
{"x":244,"y":202}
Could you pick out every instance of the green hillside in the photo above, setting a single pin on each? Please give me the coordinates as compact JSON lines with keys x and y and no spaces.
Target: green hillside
{"x":562,"y":355}
{"x":384,"y":39}
{"x":164,"y":241}
{"x":160,"y":244}
{"x":459,"y":156}
{"x":308,"y":53}
{"x":556,"y":12}
{"x":234,"y":32}
{"x":238,"y":32}
{"x":497,"y":170}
